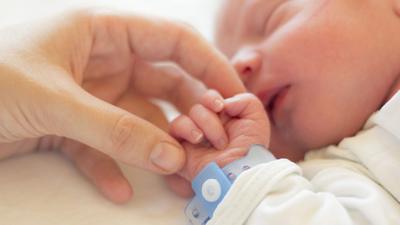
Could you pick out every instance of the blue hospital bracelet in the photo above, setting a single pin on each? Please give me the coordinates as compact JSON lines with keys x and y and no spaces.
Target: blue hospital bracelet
{"x":212,"y":183}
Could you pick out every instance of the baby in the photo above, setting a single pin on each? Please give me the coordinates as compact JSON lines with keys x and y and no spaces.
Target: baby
{"x":326,"y":73}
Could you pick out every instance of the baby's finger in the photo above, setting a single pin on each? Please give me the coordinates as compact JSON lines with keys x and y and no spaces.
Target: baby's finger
{"x":184,"y":128}
{"x":210,"y":124}
{"x":245,"y":106}
{"x":251,"y":124}
{"x":213,"y":101}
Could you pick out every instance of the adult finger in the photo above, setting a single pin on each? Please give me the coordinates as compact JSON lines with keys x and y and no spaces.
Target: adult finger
{"x":168,"y":82}
{"x":101,"y":170}
{"x":162,"y":40}
{"x":82,"y":117}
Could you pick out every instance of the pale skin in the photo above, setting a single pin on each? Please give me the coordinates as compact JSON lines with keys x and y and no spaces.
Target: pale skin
{"x":78,"y":82}
{"x":320,"y":67}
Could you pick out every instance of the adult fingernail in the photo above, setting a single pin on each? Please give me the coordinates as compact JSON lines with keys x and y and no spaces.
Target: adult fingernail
{"x":197,"y":136}
{"x":166,"y":157}
{"x":218,"y":104}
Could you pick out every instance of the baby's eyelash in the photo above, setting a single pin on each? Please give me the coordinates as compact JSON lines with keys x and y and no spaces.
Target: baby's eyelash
{"x":273,"y":18}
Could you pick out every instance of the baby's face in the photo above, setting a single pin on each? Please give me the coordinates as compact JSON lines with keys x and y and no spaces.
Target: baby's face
{"x":321,"y":67}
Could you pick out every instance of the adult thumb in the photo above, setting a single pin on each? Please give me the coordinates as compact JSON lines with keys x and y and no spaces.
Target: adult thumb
{"x":116,"y":132}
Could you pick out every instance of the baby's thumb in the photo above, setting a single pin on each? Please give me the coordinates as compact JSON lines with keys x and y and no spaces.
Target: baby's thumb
{"x":251,"y":124}
{"x":117,"y":133}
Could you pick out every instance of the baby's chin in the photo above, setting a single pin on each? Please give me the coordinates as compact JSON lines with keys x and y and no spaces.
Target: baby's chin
{"x":293,"y":154}
{"x":286,"y":147}
{"x":295,"y":147}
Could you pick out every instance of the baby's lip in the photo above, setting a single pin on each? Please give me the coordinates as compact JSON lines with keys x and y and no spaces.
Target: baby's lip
{"x":268,"y":98}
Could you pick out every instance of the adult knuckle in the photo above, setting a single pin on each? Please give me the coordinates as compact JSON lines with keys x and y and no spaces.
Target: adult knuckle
{"x":184,"y":32}
{"x":80,"y":15}
{"x":187,"y":29}
{"x":91,"y":12}
{"x":122,"y":132}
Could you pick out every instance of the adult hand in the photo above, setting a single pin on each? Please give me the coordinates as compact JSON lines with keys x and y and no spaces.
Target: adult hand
{"x":61,"y":78}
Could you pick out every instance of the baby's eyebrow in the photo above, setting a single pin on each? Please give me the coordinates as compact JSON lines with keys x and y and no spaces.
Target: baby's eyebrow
{"x":257,"y":3}
{"x":256,"y":12}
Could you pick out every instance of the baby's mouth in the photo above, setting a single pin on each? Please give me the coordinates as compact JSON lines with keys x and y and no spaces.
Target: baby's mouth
{"x":273,"y":99}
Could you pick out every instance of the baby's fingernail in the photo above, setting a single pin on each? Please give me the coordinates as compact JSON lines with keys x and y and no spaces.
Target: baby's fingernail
{"x":166,"y":157}
{"x":221,"y":143}
{"x":197,"y":136}
{"x":218,"y":104}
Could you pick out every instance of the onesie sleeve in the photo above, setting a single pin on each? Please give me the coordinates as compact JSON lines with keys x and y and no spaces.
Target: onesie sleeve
{"x":276,"y":193}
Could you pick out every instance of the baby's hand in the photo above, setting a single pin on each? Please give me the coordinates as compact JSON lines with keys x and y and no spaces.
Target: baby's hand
{"x":229,"y":127}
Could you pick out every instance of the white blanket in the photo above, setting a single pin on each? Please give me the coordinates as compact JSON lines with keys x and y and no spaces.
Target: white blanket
{"x":45,"y":188}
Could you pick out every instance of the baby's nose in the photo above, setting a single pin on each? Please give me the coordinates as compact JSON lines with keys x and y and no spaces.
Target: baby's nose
{"x":247,"y":63}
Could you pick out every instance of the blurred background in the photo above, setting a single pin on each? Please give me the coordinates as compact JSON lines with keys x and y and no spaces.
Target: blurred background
{"x":45,"y":188}
{"x":199,"y":13}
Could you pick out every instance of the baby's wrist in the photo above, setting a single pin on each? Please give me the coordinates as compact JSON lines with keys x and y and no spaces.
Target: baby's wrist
{"x":223,"y":161}
{"x":226,"y":158}
{"x":213,"y":182}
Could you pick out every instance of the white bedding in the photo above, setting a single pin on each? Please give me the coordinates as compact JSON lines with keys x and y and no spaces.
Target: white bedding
{"x":45,"y":188}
